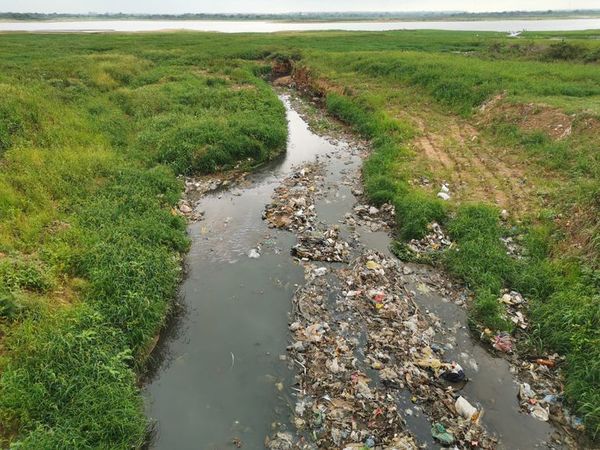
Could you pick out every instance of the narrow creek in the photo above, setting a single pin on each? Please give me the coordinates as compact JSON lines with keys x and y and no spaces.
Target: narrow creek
{"x":222,"y":380}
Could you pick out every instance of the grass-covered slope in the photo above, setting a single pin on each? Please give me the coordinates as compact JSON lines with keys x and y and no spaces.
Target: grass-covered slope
{"x":92,"y":136}
{"x":560,"y":270}
{"x":94,"y":130}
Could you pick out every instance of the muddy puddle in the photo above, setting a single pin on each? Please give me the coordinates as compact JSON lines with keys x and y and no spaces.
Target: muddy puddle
{"x":225,"y":379}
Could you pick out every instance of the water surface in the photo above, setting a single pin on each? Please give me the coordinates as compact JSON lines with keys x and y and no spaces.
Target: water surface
{"x":270,"y":27}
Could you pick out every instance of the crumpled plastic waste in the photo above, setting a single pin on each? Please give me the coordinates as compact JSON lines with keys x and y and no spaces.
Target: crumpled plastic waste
{"x":253,"y":254}
{"x":466,"y":410}
{"x":515,"y":304}
{"x":503,"y":342}
{"x":281,"y":441}
{"x":439,"y":433}
{"x":434,"y":241}
{"x":540,"y":413}
{"x":453,"y":373}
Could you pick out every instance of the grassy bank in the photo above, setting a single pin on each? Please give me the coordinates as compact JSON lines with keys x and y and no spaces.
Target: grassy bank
{"x":95,"y":129}
{"x":92,"y":140}
{"x":562,"y":288}
{"x":559,"y":270}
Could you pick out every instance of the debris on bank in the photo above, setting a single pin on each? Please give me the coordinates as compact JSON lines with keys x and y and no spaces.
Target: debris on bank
{"x":322,"y":246}
{"x":434,"y":241}
{"x":293,"y":205}
{"x":293,"y":208}
{"x":515,"y":306}
{"x":540,"y":385}
{"x":188,"y":209}
{"x":195,"y":188}
{"x":362,"y":348}
{"x":360,"y":343}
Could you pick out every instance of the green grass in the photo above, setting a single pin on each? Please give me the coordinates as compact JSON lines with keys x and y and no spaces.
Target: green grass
{"x":95,"y":129}
{"x":93,"y":135}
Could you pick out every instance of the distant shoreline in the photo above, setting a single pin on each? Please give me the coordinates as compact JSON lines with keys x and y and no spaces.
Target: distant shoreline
{"x":290,"y":21}
{"x":310,"y":17}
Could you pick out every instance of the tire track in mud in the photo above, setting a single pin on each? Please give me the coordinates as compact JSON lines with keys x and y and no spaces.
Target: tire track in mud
{"x":475,"y":173}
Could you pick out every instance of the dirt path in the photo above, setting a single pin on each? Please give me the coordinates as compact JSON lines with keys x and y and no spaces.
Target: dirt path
{"x":456,"y":152}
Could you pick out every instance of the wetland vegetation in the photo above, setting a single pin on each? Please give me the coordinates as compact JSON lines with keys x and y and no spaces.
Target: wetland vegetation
{"x":96,"y":130}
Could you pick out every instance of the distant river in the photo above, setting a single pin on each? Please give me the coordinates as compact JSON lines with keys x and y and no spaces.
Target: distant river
{"x":270,"y":27}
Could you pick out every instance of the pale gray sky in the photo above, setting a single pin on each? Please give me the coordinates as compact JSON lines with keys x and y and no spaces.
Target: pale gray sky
{"x":265,"y":6}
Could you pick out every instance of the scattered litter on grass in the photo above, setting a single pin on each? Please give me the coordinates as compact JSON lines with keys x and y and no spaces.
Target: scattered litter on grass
{"x":444,"y":193}
{"x":434,"y":241}
{"x":515,"y":306}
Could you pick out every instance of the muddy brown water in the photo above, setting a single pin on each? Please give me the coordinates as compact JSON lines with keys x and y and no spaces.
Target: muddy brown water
{"x":220,"y":375}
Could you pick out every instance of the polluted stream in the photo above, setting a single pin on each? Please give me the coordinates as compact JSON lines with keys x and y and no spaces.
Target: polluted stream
{"x":224,"y":378}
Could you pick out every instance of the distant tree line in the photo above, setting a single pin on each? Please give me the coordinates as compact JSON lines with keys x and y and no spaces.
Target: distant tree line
{"x":309,"y":16}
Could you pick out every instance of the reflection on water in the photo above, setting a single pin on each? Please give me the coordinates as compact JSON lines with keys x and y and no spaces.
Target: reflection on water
{"x":270,"y":27}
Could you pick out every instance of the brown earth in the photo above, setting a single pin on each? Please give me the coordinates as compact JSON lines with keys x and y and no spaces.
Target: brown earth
{"x":474,"y":170}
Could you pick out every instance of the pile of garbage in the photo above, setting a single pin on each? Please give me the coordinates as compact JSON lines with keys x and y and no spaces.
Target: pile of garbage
{"x":322,"y":246}
{"x":199,"y":186}
{"x":358,"y":352}
{"x":375,"y":219}
{"x":434,"y":241}
{"x":293,"y":208}
{"x":513,"y":248}
{"x":293,"y":205}
{"x":515,"y":306}
{"x":541,"y":395}
{"x":538,"y":408}
{"x":540,"y":390}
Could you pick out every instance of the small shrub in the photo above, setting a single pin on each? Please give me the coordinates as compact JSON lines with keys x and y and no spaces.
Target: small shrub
{"x":564,"y":50}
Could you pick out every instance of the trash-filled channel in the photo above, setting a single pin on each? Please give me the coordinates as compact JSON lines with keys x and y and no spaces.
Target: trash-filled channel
{"x":299,"y":329}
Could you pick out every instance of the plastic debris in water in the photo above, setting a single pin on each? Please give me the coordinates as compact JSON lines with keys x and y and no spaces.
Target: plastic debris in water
{"x":438,"y":432}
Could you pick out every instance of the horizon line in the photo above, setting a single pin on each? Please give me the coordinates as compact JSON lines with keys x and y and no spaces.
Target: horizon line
{"x":545,"y":11}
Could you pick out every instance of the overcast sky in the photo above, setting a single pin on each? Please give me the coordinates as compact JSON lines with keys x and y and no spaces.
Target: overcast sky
{"x":264,"y":6}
